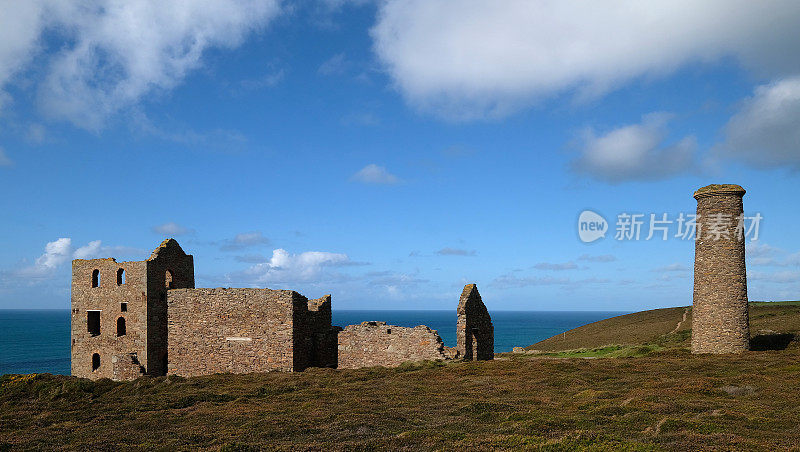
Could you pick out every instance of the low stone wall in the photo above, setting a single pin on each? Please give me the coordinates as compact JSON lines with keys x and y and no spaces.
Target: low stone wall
{"x":378,"y":344}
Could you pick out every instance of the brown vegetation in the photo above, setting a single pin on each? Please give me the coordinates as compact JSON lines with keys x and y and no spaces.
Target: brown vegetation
{"x":655,"y":326}
{"x":664,"y":401}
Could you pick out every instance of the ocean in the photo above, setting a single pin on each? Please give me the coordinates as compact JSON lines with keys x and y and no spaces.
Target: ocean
{"x":38,"y":341}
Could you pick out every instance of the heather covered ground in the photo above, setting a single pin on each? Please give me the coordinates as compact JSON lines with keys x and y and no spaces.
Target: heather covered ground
{"x":648,"y":396}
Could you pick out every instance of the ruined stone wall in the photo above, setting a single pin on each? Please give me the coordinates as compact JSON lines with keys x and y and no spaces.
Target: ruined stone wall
{"x":720,"y":318}
{"x":379,"y":344}
{"x":315,"y":340}
{"x":126,"y":366}
{"x":231,"y":330}
{"x":113,"y":301}
{"x":474,"y":329}
{"x":168,"y":267}
{"x":153,"y":321}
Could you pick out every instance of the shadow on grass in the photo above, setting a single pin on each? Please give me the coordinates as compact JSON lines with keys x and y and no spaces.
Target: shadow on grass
{"x":764,"y":342}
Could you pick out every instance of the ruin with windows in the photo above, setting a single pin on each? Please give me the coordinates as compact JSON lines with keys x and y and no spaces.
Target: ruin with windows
{"x":131,"y":319}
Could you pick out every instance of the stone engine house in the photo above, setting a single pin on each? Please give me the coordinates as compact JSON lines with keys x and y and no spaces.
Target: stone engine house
{"x":131,"y":319}
{"x":119,"y":312}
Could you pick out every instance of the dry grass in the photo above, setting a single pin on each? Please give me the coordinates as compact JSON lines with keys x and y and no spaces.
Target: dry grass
{"x":652,"y":395}
{"x":653,"y":327}
{"x":667,"y":400}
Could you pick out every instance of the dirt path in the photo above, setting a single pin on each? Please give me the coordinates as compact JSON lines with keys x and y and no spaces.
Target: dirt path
{"x":678,"y":326}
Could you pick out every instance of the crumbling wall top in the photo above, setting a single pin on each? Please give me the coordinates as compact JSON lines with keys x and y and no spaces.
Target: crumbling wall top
{"x":109,"y":259}
{"x":471,"y":299}
{"x":167,"y":244}
{"x":321,"y":303}
{"x":374,"y":343}
{"x":377,"y":324}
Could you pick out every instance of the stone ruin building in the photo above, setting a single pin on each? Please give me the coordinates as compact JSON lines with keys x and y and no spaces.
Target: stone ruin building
{"x":379,"y":344}
{"x":131,"y":319}
{"x":474,"y":330}
{"x":720,"y":318}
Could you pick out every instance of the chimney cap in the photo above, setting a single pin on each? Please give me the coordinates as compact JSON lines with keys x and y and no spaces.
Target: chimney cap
{"x":719,"y":190}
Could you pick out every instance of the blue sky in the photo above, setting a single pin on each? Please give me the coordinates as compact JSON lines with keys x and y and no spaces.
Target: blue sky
{"x":389,"y":152}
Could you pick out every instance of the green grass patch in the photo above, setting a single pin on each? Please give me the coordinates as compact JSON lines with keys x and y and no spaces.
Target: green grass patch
{"x":774,"y":303}
{"x":609,"y":351}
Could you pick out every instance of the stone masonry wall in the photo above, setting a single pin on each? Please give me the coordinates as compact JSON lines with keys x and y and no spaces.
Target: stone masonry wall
{"x":720,"y":318}
{"x":127,"y":366}
{"x":113,"y":301}
{"x":231,"y":330}
{"x":314,"y":337}
{"x":474,"y":329}
{"x":146,"y":318}
{"x":379,"y":344}
{"x":168,"y":267}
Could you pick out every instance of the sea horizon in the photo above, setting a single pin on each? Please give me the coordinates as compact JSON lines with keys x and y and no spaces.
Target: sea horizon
{"x":409,"y":310}
{"x":38,"y":340}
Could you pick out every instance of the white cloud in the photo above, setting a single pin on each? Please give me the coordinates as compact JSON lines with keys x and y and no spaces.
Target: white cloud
{"x":635,"y":152}
{"x":60,"y":251}
{"x":4,"y":160}
{"x":267,"y":80}
{"x":90,"y":251}
{"x":286,"y":268}
{"x":758,"y":249}
{"x":336,"y":4}
{"x":794,"y":259}
{"x":251,"y":258}
{"x":555,"y":266}
{"x":55,"y":254}
{"x":673,"y":276}
{"x":458,"y":151}
{"x":447,"y":251}
{"x":20,"y":25}
{"x":112,"y":53}
{"x":374,"y":174}
{"x":471,"y":58}
{"x":245,"y":240}
{"x":335,"y":65}
{"x":761,"y":254}
{"x":36,"y":134}
{"x":390,"y":279}
{"x":250,"y":238}
{"x":765,"y":132}
{"x":210,"y":138}
{"x":780,"y":277}
{"x":673,"y":268}
{"x":361,"y":119}
{"x":172,"y":229}
{"x":597,"y":258}
{"x":512,"y":281}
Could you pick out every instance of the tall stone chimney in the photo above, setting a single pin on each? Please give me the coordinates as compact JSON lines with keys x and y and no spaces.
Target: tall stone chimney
{"x":720,"y":319}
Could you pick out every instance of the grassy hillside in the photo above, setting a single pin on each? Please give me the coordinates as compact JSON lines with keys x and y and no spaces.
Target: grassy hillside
{"x":772,"y":324}
{"x":662,"y":401}
{"x":653,"y":396}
